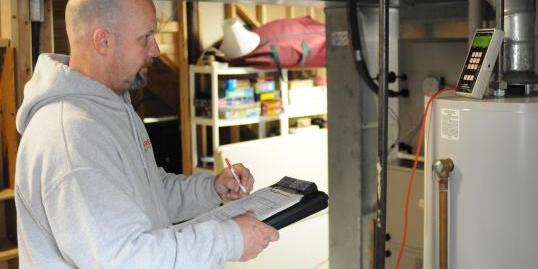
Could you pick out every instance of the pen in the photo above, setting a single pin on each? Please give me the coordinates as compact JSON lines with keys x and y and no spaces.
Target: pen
{"x":235,"y":175}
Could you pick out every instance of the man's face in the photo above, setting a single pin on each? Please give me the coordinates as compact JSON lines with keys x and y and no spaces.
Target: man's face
{"x":136,"y":45}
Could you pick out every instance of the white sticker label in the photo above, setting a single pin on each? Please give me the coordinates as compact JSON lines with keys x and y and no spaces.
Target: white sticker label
{"x":340,"y":39}
{"x":450,"y":124}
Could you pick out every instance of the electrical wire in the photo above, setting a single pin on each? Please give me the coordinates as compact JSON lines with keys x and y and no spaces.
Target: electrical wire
{"x":358,"y":57}
{"x":414,"y":169}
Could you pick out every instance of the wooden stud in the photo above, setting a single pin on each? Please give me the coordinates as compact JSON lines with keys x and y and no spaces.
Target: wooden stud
{"x":168,"y":48}
{"x":234,"y":133}
{"x":1,"y":27}
{"x":8,"y":110}
{"x":61,"y":44}
{"x":261,"y":14}
{"x":23,"y":36}
{"x":46,"y":39}
{"x":290,"y":12}
{"x":5,"y":19}
{"x":168,"y":27}
{"x":15,"y":26}
{"x":243,"y":15}
{"x":169,"y":38}
{"x":230,"y":11}
{"x":311,"y":12}
{"x":184,"y":104}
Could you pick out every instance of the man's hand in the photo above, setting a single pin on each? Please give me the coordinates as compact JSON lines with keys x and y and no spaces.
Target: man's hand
{"x":256,"y":235}
{"x":227,"y":187}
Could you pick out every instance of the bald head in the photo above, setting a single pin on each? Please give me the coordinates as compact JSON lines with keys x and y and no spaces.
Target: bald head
{"x":112,"y":41}
{"x":83,"y":16}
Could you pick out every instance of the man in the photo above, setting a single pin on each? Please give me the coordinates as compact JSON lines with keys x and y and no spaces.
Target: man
{"x":88,"y":193}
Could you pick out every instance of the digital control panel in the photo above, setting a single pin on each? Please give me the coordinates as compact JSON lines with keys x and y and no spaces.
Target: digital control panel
{"x":485,"y":47}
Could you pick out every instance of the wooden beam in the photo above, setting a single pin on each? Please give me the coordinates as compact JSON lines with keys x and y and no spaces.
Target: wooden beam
{"x":230,"y":11}
{"x":5,"y":19}
{"x":1,"y":19}
{"x":261,"y":14}
{"x":290,"y":12}
{"x":168,"y":48}
{"x":311,"y":12}
{"x":16,"y":26}
{"x":243,"y":15}
{"x":22,"y":42}
{"x":10,"y":137}
{"x":61,"y":44}
{"x":184,"y":105}
{"x":46,"y":39}
{"x":168,"y":27}
{"x":235,"y":133}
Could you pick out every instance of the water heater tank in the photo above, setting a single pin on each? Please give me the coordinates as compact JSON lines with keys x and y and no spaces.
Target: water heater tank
{"x":493,"y":189}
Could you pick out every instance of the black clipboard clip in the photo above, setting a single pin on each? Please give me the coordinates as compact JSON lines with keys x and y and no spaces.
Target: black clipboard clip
{"x":313,"y":201}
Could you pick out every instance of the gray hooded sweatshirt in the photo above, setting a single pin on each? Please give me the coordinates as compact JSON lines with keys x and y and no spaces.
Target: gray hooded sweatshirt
{"x":89,"y":193}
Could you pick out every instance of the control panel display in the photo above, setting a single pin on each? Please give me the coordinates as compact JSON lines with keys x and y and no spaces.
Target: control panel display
{"x":480,"y":61}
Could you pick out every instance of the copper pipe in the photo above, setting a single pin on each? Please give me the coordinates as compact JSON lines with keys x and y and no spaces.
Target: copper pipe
{"x":443,"y":168}
{"x":443,"y":238}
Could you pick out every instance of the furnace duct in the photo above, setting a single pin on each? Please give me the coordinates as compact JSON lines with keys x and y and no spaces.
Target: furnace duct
{"x":518,"y":64}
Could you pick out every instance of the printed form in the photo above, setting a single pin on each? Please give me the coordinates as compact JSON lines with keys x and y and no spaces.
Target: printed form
{"x":264,"y":202}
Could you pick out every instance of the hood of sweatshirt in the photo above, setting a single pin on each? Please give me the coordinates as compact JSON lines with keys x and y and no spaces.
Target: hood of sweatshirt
{"x":54,"y":79}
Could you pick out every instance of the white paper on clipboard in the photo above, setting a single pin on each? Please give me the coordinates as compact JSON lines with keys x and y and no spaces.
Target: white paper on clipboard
{"x":264,"y":202}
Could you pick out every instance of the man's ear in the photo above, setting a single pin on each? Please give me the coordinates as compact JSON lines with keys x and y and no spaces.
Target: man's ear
{"x":102,"y":41}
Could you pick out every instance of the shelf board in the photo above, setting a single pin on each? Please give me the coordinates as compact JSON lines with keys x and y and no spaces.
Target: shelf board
{"x":271,"y":118}
{"x":234,"y":122}
{"x":226,"y":70}
{"x":6,"y":194}
{"x":8,"y":250}
{"x":297,"y":113}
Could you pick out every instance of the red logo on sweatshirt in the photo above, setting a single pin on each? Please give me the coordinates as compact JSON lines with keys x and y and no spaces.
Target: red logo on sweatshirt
{"x":147,"y":144}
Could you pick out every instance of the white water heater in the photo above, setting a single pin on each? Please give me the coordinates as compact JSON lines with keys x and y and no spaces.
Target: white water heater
{"x":493,"y":189}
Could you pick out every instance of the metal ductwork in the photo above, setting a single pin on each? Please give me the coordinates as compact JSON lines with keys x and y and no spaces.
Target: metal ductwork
{"x":518,"y":64}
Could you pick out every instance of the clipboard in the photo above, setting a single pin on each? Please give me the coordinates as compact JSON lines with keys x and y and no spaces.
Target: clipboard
{"x":278,"y":205}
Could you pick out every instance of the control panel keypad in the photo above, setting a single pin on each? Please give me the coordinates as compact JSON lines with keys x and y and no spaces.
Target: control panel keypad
{"x":472,"y":67}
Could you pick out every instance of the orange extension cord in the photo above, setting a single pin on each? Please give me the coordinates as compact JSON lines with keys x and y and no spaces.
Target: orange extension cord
{"x":412,"y":175}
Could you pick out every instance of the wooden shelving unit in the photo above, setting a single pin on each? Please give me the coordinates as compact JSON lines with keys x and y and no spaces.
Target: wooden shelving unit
{"x":215,"y":72}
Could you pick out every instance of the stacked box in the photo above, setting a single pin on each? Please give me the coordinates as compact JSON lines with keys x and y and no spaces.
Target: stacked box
{"x":240,"y":111}
{"x":269,"y":96}
{"x":271,"y":107}
{"x":238,"y":101}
